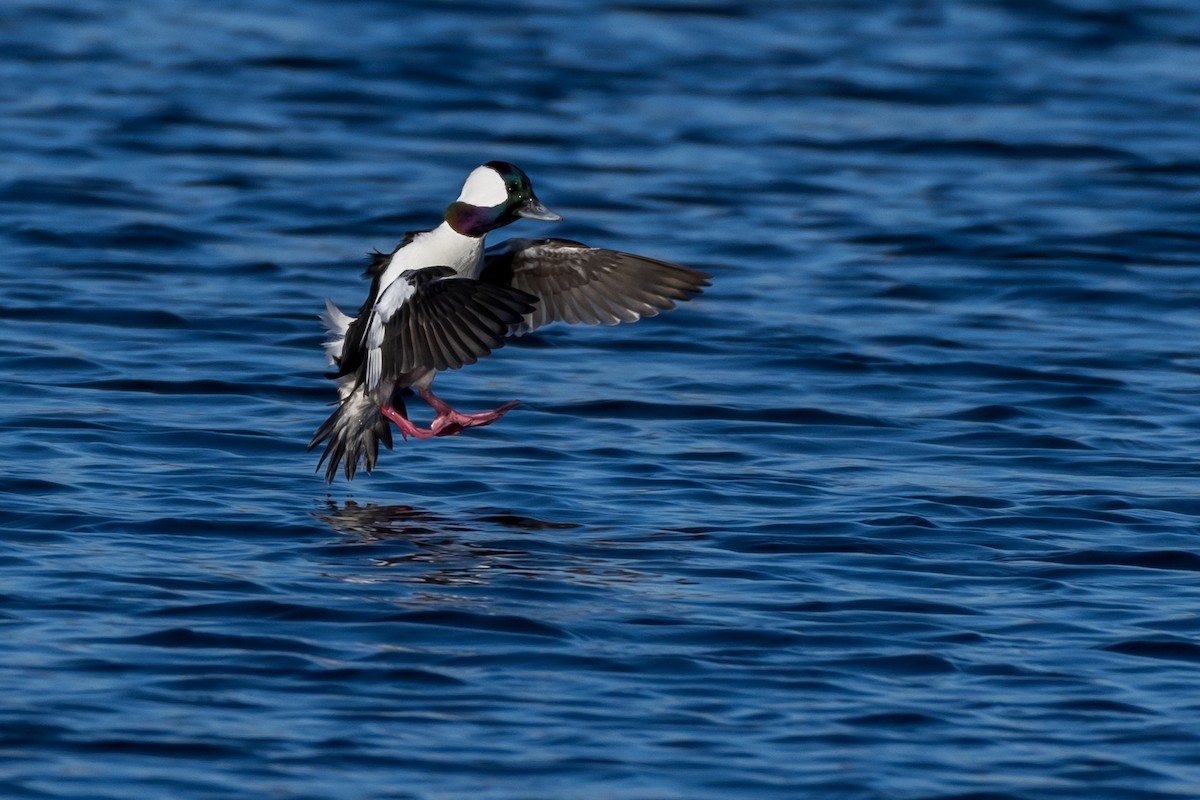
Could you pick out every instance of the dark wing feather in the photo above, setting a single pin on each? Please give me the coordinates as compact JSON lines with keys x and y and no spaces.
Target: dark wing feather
{"x":353,"y":353}
{"x":449,"y":322}
{"x":578,"y":284}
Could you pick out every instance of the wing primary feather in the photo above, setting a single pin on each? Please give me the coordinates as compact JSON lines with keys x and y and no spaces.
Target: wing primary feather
{"x":422,"y":353}
{"x":441,"y":356}
{"x":471,"y":327}
{"x":458,"y":347}
{"x":448,"y":341}
{"x":580,"y":284}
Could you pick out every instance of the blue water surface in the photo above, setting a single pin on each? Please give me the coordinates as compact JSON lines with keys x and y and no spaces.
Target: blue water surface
{"x":903,"y":507}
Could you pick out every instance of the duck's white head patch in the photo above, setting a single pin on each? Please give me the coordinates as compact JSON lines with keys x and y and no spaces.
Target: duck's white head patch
{"x":484,"y":187}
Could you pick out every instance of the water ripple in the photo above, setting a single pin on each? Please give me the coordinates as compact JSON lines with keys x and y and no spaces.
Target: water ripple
{"x":902,"y":507}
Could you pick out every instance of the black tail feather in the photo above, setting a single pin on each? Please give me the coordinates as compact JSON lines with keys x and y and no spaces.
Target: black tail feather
{"x":354,"y":431}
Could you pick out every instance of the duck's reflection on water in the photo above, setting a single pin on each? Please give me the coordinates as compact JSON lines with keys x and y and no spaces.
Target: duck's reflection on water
{"x":470,"y":548}
{"x":372,"y":522}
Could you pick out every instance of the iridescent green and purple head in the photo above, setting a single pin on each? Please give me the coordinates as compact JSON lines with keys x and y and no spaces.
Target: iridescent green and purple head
{"x":495,"y":194}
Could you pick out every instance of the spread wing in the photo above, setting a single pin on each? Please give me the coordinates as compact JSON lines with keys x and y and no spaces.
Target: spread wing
{"x":428,"y":320}
{"x":575,"y":283}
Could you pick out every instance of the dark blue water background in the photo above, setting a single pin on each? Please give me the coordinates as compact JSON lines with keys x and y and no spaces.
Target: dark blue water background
{"x":904,"y":507}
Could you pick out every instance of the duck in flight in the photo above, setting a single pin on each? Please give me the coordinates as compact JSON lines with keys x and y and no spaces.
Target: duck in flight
{"x":439,"y":301}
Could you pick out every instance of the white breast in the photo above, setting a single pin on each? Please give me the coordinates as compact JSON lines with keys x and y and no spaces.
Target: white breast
{"x":441,"y":247}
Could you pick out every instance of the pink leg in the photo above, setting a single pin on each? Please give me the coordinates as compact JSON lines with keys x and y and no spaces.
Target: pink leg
{"x":448,"y":421}
{"x":405,"y":425}
{"x":451,"y":423}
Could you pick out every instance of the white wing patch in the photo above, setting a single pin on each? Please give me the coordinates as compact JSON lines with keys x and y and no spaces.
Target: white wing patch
{"x":374,"y":367}
{"x":390,"y":301}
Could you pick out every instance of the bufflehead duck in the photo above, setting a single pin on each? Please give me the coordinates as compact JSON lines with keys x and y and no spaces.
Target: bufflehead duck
{"x":439,"y":301}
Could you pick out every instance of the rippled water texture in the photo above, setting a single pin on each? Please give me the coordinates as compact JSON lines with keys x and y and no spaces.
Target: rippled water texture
{"x":904,"y":507}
